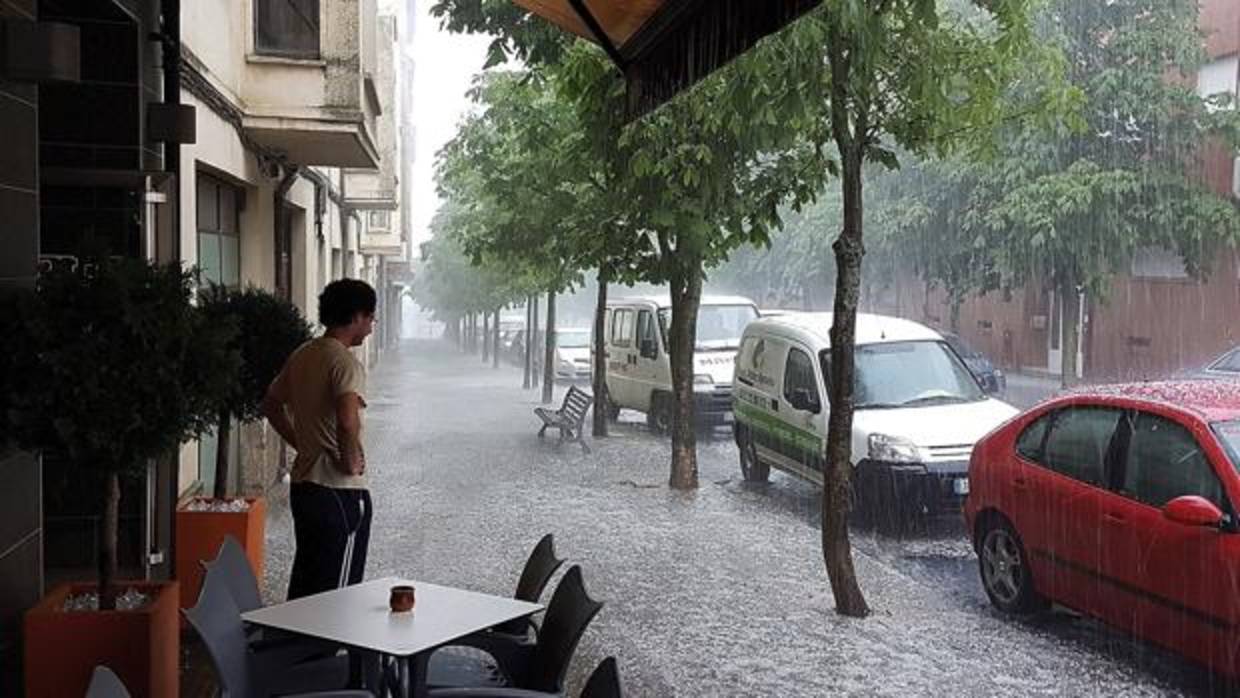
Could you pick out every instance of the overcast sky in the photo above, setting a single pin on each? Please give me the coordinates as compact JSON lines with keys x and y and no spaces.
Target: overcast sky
{"x":444,"y":67}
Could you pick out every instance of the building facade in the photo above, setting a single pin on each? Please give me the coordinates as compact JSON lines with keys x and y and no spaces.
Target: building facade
{"x":257,"y":140}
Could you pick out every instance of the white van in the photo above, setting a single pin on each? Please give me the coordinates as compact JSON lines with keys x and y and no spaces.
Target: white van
{"x":918,"y":411}
{"x":639,"y":370}
{"x":572,"y":354}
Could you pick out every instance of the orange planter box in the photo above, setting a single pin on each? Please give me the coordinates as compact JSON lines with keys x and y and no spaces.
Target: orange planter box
{"x":201,"y":533}
{"x":62,"y":648}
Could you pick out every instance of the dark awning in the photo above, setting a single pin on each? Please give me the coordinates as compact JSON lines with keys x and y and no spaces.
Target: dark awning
{"x":665,"y":46}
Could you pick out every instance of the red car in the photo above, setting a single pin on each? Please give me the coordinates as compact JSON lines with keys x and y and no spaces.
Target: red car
{"x":1120,"y":504}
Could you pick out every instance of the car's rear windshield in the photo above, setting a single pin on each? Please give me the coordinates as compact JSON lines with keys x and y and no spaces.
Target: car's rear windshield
{"x":1229,"y":434}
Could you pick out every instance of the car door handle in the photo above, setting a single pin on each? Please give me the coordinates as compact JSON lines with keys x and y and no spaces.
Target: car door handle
{"x":1020,"y":483}
{"x":1114,"y":518}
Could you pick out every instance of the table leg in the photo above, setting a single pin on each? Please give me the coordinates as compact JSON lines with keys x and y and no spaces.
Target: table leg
{"x":418,"y":665}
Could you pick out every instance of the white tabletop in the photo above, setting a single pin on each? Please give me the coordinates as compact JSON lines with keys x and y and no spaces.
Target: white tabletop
{"x":359,"y":616}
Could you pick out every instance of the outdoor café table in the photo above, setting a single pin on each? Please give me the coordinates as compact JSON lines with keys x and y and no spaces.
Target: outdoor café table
{"x":359,"y":617}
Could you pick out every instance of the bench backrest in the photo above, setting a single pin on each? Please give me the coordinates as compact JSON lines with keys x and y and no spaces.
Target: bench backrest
{"x":576,"y":403}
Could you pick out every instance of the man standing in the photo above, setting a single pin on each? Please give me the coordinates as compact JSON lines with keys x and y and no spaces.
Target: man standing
{"x":322,"y":388}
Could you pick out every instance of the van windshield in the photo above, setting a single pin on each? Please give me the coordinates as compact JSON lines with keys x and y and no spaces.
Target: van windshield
{"x":909,"y":374}
{"x":572,"y":339}
{"x":719,"y":327}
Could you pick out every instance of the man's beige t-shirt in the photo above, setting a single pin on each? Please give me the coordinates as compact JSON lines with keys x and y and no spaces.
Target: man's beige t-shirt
{"x":319,"y":372}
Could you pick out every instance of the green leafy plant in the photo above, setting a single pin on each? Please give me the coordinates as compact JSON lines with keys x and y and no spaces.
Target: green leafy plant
{"x":268,"y":330}
{"x":115,"y":367}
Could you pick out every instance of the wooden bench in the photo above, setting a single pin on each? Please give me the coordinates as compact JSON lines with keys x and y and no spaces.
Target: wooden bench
{"x":569,"y":418}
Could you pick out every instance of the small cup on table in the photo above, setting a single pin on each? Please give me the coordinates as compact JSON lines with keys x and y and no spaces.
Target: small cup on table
{"x":402,"y":599}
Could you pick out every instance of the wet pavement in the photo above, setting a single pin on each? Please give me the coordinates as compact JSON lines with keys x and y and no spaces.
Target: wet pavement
{"x":720,"y":592}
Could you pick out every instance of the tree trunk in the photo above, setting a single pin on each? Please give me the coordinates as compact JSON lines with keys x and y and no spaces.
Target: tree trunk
{"x":529,"y":332}
{"x":548,"y":391}
{"x":1070,"y":346}
{"x":223,"y":431}
{"x":495,"y":341}
{"x":486,"y":338}
{"x":534,"y":372}
{"x":956,"y":301}
{"x":837,"y":490}
{"x":598,"y":366}
{"x":107,"y":541}
{"x":686,"y":296}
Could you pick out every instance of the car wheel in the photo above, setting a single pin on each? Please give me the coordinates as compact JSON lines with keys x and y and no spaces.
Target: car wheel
{"x":659,"y":418}
{"x":1004,"y":567}
{"x":752,"y":467}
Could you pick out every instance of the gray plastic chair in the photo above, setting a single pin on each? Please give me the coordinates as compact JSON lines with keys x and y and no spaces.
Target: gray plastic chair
{"x":541,"y":666}
{"x":233,"y":568}
{"x":244,"y":673}
{"x":105,"y":684}
{"x":604,"y":682}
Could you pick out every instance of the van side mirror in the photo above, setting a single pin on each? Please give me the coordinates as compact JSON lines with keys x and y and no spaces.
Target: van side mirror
{"x":801,"y":399}
{"x":648,"y":348}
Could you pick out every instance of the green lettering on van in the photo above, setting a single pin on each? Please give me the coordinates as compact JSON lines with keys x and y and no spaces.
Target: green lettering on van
{"x":755,"y":418}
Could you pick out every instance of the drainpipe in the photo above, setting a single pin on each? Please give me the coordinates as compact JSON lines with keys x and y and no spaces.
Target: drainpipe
{"x":344,"y":225}
{"x":171,"y":21}
{"x":291,"y":173}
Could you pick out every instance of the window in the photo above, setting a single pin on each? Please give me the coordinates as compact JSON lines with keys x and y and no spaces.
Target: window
{"x":287,"y":28}
{"x":1229,"y":433}
{"x":646,"y":336}
{"x":381,"y":220}
{"x":719,"y":327}
{"x":799,"y":375}
{"x":1158,"y":263}
{"x":1033,"y":439}
{"x":1165,"y":462}
{"x":1229,"y":363}
{"x":1080,"y":441}
{"x":219,"y":241}
{"x":622,"y":328}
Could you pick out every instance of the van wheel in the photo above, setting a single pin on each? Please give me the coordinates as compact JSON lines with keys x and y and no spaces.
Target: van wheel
{"x":752,"y":467}
{"x":659,"y":418}
{"x":1004,"y":567}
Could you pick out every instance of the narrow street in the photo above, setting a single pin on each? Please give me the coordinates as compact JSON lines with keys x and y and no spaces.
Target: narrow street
{"x":721,"y":592}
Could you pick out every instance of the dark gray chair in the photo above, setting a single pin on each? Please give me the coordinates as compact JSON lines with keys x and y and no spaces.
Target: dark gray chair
{"x":538,"y":570}
{"x":245,"y":673}
{"x":603,"y":683}
{"x":105,"y":684}
{"x":540,"y":666}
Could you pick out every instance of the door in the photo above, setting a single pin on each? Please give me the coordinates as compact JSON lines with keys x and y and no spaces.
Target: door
{"x":648,"y":359}
{"x":1170,"y":583}
{"x":1057,"y":496}
{"x":801,"y":416}
{"x":1054,"y":335}
{"x":621,"y":359}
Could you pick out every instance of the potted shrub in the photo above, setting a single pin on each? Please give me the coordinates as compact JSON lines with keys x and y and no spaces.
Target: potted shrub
{"x":268,"y":330}
{"x":121,"y":369}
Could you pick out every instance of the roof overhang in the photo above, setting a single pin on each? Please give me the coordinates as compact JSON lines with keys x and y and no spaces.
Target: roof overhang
{"x":665,"y":46}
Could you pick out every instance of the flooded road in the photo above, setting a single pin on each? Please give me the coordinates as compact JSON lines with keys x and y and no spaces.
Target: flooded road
{"x":719,"y":592}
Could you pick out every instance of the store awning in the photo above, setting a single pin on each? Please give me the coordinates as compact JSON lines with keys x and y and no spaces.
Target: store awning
{"x":665,"y":46}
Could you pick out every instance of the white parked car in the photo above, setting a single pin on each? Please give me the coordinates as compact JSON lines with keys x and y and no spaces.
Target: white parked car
{"x":572,"y":354}
{"x":919,"y":411}
{"x":639,"y":371}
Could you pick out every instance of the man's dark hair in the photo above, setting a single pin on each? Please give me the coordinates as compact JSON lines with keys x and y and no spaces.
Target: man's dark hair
{"x":343,"y":299}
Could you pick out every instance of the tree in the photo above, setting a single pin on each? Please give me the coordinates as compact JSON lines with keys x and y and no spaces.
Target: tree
{"x":269,"y":329}
{"x":913,"y":75}
{"x":1068,"y":208}
{"x":128,"y":369}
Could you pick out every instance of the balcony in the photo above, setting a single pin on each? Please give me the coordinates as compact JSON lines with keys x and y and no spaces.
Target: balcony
{"x":382,"y":235}
{"x":306,"y":82}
